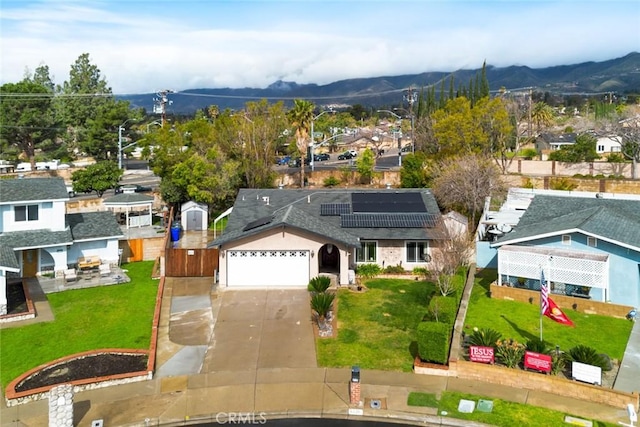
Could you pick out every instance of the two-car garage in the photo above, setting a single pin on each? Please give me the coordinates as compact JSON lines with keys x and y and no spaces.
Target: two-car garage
{"x":267,"y":268}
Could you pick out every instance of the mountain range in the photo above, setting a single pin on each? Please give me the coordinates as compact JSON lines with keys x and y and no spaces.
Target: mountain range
{"x":620,"y":75}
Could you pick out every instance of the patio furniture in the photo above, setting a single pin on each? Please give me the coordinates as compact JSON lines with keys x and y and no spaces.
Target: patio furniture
{"x":88,"y":262}
{"x":70,"y":275}
{"x":105,"y":270}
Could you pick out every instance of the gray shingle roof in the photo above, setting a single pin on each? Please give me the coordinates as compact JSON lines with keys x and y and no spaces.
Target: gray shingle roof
{"x":128,"y":199}
{"x":36,"y":238}
{"x":8,"y":258}
{"x":301,"y":209}
{"x":93,"y":225}
{"x":613,"y":219}
{"x":32,"y":189}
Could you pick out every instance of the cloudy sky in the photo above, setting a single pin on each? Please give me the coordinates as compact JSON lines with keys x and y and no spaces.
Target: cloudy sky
{"x":149,"y":45}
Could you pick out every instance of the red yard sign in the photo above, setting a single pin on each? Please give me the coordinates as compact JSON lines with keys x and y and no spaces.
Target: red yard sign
{"x":481,"y":354}
{"x":537,"y":361}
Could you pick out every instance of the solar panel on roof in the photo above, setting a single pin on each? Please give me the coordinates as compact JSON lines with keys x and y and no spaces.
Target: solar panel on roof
{"x":334,"y":209}
{"x":387,"y":202}
{"x":368,"y":220}
{"x":258,"y":223}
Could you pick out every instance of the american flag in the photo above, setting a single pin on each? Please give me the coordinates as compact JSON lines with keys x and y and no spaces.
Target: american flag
{"x":544,"y":294}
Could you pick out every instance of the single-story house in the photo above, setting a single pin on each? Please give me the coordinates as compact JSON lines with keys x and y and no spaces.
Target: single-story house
{"x":283,"y":238}
{"x":588,"y":246}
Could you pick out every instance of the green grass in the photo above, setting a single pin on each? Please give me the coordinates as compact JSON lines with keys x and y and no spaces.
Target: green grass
{"x":377,"y":328}
{"x":521,"y":321}
{"x":504,"y":413}
{"x":117,"y":316}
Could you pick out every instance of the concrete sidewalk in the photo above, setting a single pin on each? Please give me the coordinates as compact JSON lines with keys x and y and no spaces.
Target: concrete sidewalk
{"x":210,"y":387}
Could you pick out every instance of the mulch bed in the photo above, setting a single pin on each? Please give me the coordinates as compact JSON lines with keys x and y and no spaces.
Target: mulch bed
{"x":100,"y":365}
{"x":16,"y":300}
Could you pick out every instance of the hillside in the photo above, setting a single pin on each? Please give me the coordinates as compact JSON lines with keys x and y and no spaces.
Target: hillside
{"x":621,"y":75}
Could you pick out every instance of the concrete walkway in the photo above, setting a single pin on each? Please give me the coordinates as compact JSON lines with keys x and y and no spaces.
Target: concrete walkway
{"x":628,"y":378}
{"x":216,"y":355}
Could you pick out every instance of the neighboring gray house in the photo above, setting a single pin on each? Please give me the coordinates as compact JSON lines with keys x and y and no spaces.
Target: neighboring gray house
{"x":550,"y":141}
{"x":36,"y":234}
{"x":282,"y":238}
{"x":588,"y":246}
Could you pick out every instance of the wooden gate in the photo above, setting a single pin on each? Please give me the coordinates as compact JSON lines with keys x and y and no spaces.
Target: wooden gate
{"x":191,"y":262}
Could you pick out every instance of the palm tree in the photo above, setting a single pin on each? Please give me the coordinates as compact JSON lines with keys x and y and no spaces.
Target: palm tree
{"x":542,"y":115}
{"x":301,"y":116}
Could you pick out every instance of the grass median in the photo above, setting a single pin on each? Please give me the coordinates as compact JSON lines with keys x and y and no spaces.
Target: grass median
{"x":115,"y":316}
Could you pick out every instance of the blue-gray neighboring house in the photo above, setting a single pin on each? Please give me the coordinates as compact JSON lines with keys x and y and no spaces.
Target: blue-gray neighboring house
{"x":588,"y":247}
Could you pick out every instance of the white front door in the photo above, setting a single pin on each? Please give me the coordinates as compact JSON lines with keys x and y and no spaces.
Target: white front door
{"x":267,"y":269}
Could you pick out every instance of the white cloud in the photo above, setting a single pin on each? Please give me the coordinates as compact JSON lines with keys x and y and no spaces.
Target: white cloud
{"x":142,"y":46}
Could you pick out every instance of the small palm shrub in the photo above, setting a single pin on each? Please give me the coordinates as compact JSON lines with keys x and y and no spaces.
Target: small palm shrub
{"x":319,"y":284}
{"x":589,"y":356}
{"x":558,"y":362}
{"x":509,"y":352}
{"x":322,"y":303}
{"x":538,"y":346}
{"x":485,"y":337}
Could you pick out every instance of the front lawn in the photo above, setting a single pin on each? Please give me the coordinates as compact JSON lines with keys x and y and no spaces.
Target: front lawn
{"x":116,"y":316}
{"x":503,"y":413}
{"x":521,"y":321}
{"x":377,"y":328}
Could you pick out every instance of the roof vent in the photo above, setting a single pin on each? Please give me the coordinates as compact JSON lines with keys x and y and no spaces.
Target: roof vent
{"x":309,"y":198}
{"x":265,"y":199}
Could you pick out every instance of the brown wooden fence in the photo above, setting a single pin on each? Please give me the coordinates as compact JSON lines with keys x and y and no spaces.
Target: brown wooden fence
{"x":191,"y":262}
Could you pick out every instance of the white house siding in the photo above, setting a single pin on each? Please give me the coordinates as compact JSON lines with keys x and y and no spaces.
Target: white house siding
{"x":284,"y":239}
{"x":50,"y":216}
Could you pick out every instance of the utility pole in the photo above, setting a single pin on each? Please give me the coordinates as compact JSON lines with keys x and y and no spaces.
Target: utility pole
{"x":411,"y":96}
{"x":160,"y":104}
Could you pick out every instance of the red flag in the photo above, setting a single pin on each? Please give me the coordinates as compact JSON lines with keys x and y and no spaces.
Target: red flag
{"x":553,"y":312}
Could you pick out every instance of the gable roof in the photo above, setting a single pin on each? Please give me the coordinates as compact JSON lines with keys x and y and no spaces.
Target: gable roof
{"x":258,"y":210}
{"x":32,"y":189}
{"x":615,"y":220}
{"x":93,"y":225}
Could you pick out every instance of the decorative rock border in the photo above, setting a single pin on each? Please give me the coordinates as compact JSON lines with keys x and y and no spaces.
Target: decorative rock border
{"x":13,"y":397}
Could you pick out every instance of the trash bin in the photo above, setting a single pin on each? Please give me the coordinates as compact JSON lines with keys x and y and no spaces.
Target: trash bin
{"x":175,"y":232}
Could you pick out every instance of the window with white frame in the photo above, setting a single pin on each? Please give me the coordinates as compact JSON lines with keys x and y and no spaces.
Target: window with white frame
{"x":367,"y":252}
{"x":566,"y":239}
{"x":417,"y":251}
{"x":592,"y":241}
{"x":26,"y":213}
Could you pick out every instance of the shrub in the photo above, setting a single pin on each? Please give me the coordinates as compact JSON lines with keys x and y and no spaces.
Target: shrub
{"x":528,"y":153}
{"x":528,"y":183}
{"x":509,"y":352}
{"x":587,"y":355}
{"x":443,"y":309}
{"x":422,"y":272}
{"x":319,"y":284}
{"x":433,"y":341}
{"x":322,"y":303}
{"x":616,"y":158}
{"x":538,"y":346}
{"x":368,"y":271}
{"x":394,"y":269}
{"x":562,"y":183}
{"x":485,"y":337}
{"x":331,"y":181}
{"x":558,"y":362}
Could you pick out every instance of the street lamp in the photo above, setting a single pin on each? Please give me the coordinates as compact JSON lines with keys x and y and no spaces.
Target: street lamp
{"x":312,"y":145}
{"x":120,"y":129}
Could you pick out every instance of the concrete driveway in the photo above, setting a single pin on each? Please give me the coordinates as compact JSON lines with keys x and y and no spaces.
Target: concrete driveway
{"x":207,"y":330}
{"x":256,"y":329}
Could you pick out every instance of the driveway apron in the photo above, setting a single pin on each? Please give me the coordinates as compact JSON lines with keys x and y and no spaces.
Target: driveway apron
{"x":258,"y":329}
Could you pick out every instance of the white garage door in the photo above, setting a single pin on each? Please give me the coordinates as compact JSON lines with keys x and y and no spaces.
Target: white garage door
{"x":259,"y":269}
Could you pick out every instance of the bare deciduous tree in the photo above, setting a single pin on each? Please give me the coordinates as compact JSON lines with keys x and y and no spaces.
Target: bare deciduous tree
{"x":447,"y":258}
{"x":464,"y":183}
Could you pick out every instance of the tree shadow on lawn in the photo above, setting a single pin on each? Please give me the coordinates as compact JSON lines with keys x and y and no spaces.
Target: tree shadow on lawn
{"x":484,"y":278}
{"x":413,"y":349}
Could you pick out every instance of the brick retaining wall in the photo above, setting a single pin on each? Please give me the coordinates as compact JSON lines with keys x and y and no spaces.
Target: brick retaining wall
{"x":581,"y":305}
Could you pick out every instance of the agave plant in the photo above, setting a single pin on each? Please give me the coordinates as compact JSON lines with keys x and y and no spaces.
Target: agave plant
{"x":485,"y":337}
{"x":589,"y":356}
{"x":319,"y":284}
{"x":322,"y":303}
{"x":537,"y":345}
